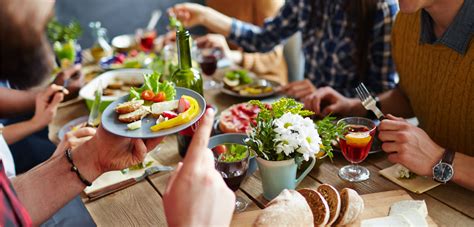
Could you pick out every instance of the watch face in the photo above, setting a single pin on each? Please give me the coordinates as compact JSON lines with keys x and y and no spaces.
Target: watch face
{"x":443,"y":172}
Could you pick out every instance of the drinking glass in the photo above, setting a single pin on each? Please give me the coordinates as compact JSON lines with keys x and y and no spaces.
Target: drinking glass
{"x":146,"y":39}
{"x":356,"y":146}
{"x":233,"y":171}
{"x":207,"y":59}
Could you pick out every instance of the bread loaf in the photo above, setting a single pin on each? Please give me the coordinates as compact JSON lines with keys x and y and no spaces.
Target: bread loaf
{"x":319,"y":206}
{"x":352,"y":206}
{"x":287,"y":209}
{"x":332,"y":197}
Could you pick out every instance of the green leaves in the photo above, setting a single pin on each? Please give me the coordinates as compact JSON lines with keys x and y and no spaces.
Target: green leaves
{"x":151,"y":82}
{"x":58,"y":32}
{"x":329,"y":131}
{"x":175,"y":23}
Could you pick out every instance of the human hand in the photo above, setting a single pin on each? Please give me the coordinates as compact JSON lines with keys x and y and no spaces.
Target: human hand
{"x":46,"y":105}
{"x":196,"y":194}
{"x":190,"y":14}
{"x":326,"y":100}
{"x":409,"y":145}
{"x":74,"y":139}
{"x":74,"y":79}
{"x":299,"y":89}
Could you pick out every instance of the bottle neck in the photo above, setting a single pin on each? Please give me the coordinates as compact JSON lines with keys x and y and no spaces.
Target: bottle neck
{"x":184,"y":50}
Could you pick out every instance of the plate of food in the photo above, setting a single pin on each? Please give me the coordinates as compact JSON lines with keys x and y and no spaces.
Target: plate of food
{"x":237,"y":118}
{"x":156,"y":109}
{"x":244,"y":84}
{"x":132,"y":59}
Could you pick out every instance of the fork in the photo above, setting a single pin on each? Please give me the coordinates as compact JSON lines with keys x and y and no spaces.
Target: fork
{"x":368,"y":101}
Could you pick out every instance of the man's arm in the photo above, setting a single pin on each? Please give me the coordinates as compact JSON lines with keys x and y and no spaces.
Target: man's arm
{"x":15,"y":102}
{"x":463,"y":170}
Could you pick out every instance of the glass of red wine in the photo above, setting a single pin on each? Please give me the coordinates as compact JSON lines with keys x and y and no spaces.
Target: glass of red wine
{"x":355,"y":147}
{"x":207,"y":59}
{"x":146,"y":39}
{"x":232,"y":162}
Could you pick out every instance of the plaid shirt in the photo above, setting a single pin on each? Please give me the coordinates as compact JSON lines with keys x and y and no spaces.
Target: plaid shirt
{"x":12,"y":212}
{"x":329,"y":46}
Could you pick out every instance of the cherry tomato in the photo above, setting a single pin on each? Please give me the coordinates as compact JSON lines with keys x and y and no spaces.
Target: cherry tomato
{"x":147,"y":95}
{"x":220,"y":149}
{"x":160,"y":97}
{"x":169,"y":114}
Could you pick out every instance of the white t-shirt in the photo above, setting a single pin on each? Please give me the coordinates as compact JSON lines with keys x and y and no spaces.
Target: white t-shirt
{"x":6,"y":156}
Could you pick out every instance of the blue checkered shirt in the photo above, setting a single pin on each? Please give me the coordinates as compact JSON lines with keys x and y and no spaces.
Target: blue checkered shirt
{"x":329,"y":46}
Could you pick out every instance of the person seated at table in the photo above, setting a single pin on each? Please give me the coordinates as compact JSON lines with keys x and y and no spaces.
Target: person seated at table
{"x":27,"y":135}
{"x":31,"y":198}
{"x":269,"y":65}
{"x":344,"y":42}
{"x":433,"y":50}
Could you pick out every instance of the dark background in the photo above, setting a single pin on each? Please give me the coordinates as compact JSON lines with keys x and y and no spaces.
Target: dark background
{"x":118,"y":16}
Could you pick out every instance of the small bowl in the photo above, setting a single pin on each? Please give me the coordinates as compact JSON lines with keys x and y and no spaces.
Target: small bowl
{"x":237,"y":138}
{"x":124,"y":43}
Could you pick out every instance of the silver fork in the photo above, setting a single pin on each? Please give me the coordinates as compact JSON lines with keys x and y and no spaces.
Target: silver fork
{"x":368,"y":101}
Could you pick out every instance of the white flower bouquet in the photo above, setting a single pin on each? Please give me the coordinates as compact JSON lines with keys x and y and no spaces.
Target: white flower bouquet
{"x":284,"y":131}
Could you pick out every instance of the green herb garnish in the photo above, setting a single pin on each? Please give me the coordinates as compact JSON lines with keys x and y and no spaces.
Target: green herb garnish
{"x":329,"y":132}
{"x":58,"y":32}
{"x":151,"y":82}
{"x":242,"y":75}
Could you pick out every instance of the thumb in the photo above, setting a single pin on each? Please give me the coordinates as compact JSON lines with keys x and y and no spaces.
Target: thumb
{"x":391,"y":117}
{"x":333,"y":108}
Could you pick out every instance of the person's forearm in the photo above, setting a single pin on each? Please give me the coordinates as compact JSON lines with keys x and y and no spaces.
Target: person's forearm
{"x":49,"y":186}
{"x":463,"y":170}
{"x":217,"y":22}
{"x":15,"y":132}
{"x":396,"y":103}
{"x":16,"y":101}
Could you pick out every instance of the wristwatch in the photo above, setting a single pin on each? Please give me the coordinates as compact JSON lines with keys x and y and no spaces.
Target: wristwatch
{"x":443,"y":171}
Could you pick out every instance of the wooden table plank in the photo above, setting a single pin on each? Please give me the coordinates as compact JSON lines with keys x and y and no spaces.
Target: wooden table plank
{"x":138,"y":205}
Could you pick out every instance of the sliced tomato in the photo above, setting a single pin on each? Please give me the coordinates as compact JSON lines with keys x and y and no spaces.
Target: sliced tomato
{"x":160,"y":97}
{"x":147,"y":95}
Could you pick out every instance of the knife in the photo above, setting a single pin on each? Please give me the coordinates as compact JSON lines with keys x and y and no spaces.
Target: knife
{"x":94,"y":115}
{"x":124,"y":184}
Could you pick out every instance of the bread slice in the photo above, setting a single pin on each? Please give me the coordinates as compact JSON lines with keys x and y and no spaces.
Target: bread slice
{"x":352,"y":206}
{"x":395,"y":221}
{"x":133,"y":116}
{"x":128,"y":107}
{"x":287,"y":209}
{"x":331,"y":195}
{"x":318,"y":204}
{"x":418,"y":205}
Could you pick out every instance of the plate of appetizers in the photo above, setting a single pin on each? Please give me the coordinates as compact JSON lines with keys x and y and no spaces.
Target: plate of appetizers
{"x":244,"y":84}
{"x":156,"y":109}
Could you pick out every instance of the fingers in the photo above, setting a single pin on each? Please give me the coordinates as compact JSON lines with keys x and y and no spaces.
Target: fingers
{"x":75,"y":142}
{"x":152,"y":143}
{"x":391,"y":117}
{"x":394,"y":158}
{"x":140,"y":150}
{"x":57,"y":98}
{"x":393,"y":125}
{"x":200,"y":139}
{"x":391,"y":147}
{"x":173,"y":177}
{"x":69,"y":72}
{"x":333,"y":108}
{"x":50,"y":91}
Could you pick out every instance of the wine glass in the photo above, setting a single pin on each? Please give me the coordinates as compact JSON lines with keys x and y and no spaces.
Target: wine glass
{"x":355,"y":147}
{"x":207,"y":59}
{"x":146,"y":39}
{"x":232,"y":162}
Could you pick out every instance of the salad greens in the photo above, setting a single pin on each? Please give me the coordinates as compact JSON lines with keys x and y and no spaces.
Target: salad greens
{"x":241,"y":74}
{"x":58,"y":32}
{"x":151,"y":82}
{"x":235,"y":152}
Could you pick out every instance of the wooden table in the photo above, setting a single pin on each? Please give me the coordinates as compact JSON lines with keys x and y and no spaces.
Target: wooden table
{"x":141,"y":204}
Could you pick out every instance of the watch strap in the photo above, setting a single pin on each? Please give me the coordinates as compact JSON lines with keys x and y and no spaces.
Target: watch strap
{"x":448,"y":156}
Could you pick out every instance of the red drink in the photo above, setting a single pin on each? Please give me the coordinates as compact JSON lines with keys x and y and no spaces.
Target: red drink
{"x":356,"y":146}
{"x":234,"y":182}
{"x":208,"y":64}
{"x":147,"y":41}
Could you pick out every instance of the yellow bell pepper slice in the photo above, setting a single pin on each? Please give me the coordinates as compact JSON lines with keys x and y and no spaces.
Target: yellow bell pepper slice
{"x":182,"y":118}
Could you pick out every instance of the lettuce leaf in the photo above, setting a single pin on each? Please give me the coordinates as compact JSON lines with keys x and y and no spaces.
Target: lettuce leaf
{"x":152,"y":82}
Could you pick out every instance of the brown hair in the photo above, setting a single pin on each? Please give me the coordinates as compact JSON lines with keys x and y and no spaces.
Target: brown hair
{"x":362,"y":13}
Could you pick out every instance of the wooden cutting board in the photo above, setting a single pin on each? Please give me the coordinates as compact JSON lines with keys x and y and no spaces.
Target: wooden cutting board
{"x":376,"y":205}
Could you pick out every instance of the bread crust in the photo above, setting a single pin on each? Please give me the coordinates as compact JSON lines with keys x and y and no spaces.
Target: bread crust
{"x":318,"y":205}
{"x":352,"y":206}
{"x":332,"y":197}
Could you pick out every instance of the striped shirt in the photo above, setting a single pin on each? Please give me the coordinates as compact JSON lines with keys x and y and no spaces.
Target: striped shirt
{"x":328,"y":46}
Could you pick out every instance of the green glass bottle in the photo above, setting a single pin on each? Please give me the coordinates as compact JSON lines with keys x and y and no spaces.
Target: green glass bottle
{"x":188,"y":77}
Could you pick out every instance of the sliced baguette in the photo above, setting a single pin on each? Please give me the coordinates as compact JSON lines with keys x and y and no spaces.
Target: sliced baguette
{"x":352,"y":206}
{"x":133,"y":116}
{"x":332,"y":197}
{"x":287,"y":209}
{"x":129,"y":107}
{"x":318,"y":204}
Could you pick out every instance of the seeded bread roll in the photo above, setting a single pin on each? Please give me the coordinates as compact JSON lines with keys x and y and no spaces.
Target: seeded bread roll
{"x":352,"y":206}
{"x":287,"y":209}
{"x":318,"y":205}
{"x":331,"y":195}
{"x":128,"y":107}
